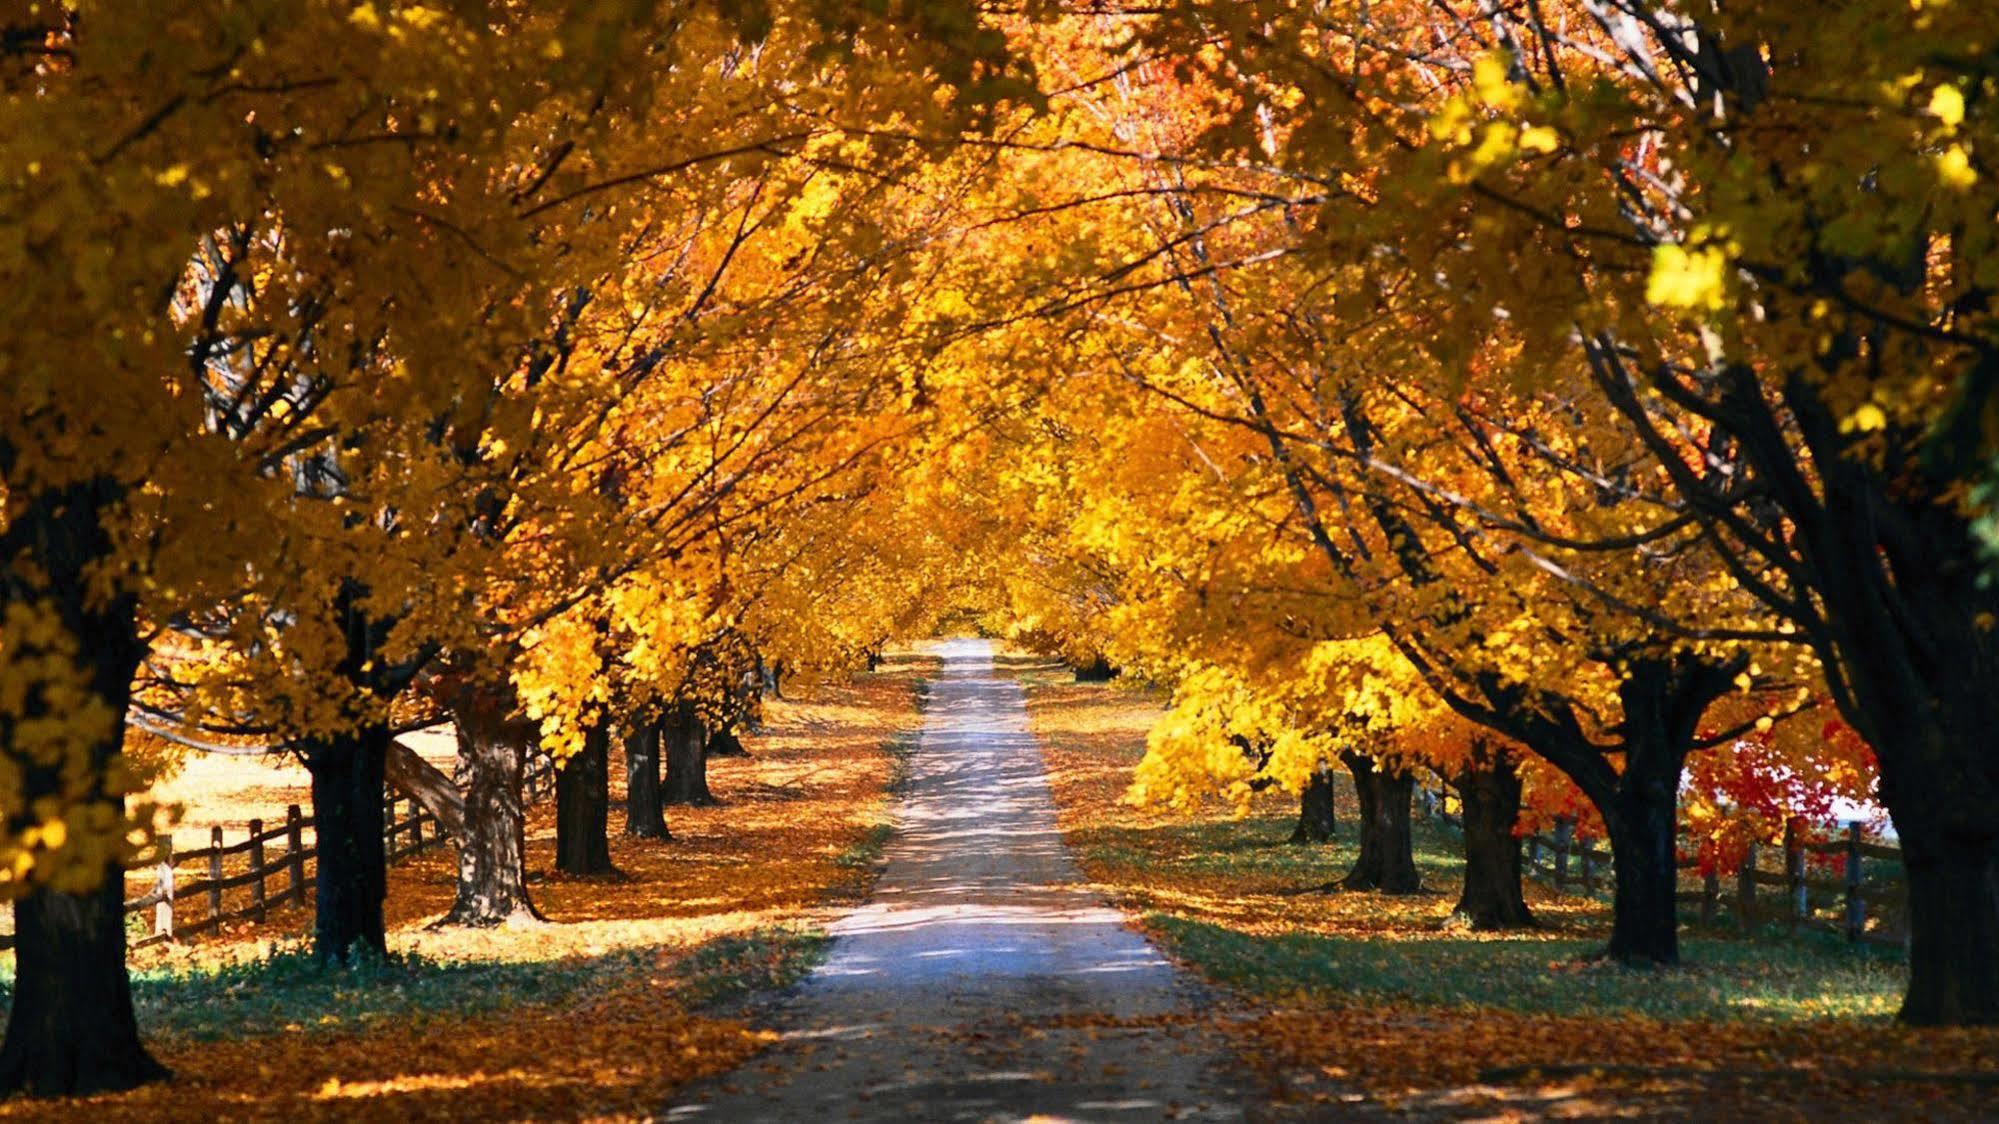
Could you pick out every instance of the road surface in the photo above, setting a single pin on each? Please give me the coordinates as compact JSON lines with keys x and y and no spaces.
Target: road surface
{"x":983,"y":981}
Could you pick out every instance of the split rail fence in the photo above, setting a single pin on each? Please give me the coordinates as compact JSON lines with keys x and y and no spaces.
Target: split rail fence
{"x":1866,"y":901}
{"x":268,"y":868}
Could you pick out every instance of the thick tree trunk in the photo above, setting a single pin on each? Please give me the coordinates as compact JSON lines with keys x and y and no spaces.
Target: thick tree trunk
{"x":1645,"y":912}
{"x":351,"y":874}
{"x":1316,"y":819}
{"x":70,"y":1027}
{"x":1387,"y":861}
{"x":686,"y":741}
{"x":582,"y":807}
{"x":1953,"y":928}
{"x":1940,"y":782}
{"x":492,"y":846}
{"x":1663,"y":702}
{"x":1489,"y":790}
{"x":645,"y":814}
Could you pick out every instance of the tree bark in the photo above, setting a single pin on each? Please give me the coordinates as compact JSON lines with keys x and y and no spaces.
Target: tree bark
{"x":1645,"y":911}
{"x":351,"y":873}
{"x":1953,"y":927}
{"x":71,"y":1028}
{"x":645,"y":814}
{"x":582,"y":807}
{"x":1663,"y":699}
{"x":1317,"y":821}
{"x":1489,"y":790}
{"x":725,"y":743}
{"x":686,"y":741}
{"x":408,"y":773}
{"x":1387,"y":861}
{"x":492,"y":845}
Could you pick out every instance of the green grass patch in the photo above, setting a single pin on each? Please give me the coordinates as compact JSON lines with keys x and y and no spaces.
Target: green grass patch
{"x":1722,"y":978}
{"x":766,"y":960}
{"x":866,"y":851}
{"x":289,"y":991}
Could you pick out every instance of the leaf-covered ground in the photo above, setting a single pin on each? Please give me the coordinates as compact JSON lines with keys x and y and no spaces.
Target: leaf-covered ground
{"x":631,"y":989}
{"x":1368,"y":997}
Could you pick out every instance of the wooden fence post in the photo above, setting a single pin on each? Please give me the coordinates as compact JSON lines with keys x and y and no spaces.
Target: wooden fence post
{"x":1565,"y":831}
{"x":163,"y":885}
{"x":294,"y":855}
{"x":1794,"y":873}
{"x":257,"y":903}
{"x":1856,"y":906}
{"x":1710,"y":895}
{"x":215,"y":873}
{"x":1745,"y":888}
{"x":1589,"y":868}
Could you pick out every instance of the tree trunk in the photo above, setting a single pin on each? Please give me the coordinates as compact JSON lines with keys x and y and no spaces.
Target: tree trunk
{"x":686,"y":759}
{"x":645,"y":815}
{"x":1645,"y":911}
{"x":71,"y":1030}
{"x":408,"y":773}
{"x":351,"y":874}
{"x":1387,"y":861}
{"x":1098,"y":670}
{"x":1489,"y":790}
{"x":492,"y":845}
{"x":582,"y":807}
{"x":1316,"y":820}
{"x":725,"y":743}
{"x":1953,"y":928}
{"x":70,"y":1027}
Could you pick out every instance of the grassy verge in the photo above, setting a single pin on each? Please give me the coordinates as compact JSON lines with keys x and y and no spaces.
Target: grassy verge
{"x":1351,"y":990}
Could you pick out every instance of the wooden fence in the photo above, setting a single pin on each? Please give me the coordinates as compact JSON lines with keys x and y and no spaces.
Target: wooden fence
{"x":279,"y":855}
{"x":1866,"y":903}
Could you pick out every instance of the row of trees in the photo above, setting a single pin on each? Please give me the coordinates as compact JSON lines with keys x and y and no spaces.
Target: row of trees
{"x":372,"y":364}
{"x":1586,"y":389}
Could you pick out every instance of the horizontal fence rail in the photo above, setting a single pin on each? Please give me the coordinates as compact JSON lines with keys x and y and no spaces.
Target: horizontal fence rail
{"x":272,"y":863}
{"x":1865,"y":902}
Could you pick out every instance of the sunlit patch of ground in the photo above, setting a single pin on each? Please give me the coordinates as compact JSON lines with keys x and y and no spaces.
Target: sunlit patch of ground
{"x":1370,"y":994}
{"x":600,"y":1012}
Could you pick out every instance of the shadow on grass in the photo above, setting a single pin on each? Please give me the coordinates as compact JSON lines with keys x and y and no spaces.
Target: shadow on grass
{"x":1721,"y":979}
{"x":288,"y":991}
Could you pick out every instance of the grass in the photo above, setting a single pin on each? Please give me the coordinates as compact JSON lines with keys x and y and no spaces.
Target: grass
{"x":288,"y":991}
{"x":1400,"y":949}
{"x":765,"y":961}
{"x":1533,"y":975}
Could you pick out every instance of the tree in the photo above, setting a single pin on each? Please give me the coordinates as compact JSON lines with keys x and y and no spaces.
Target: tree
{"x":645,"y":812}
{"x":1807,"y":315}
{"x":582,"y":806}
